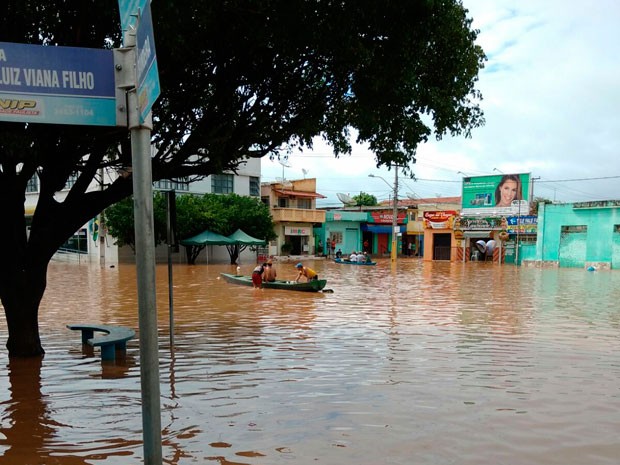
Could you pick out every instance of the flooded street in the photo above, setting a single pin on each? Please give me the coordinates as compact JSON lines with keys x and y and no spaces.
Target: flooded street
{"x":433,"y":363}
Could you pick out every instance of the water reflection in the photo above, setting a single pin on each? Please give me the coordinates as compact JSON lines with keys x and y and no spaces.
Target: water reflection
{"x":512,"y":365}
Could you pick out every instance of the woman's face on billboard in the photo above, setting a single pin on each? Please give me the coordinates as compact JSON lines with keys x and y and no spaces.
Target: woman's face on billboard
{"x":508,"y":193}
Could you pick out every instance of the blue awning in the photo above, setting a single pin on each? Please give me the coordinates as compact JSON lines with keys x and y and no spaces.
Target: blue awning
{"x":381,"y":228}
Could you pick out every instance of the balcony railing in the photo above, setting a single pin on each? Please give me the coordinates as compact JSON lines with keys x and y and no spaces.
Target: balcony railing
{"x":301,"y":215}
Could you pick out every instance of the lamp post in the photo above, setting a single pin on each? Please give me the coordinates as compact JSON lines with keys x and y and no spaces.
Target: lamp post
{"x":393,"y":253}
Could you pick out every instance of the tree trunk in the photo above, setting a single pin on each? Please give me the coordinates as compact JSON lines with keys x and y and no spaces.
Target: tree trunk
{"x":21,"y":296}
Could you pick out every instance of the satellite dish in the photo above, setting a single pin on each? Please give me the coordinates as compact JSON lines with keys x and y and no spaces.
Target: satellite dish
{"x":285,"y":182}
{"x":346,"y":199}
{"x":304,"y":171}
{"x":285,"y":163}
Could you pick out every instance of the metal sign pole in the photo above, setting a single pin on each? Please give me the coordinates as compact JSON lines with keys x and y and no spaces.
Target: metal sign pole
{"x":145,"y":253}
{"x":145,"y":270}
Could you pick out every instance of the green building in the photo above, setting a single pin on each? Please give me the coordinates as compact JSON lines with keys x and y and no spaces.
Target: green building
{"x":578,"y":235}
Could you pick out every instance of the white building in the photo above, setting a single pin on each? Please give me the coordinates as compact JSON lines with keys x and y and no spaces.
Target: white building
{"x":94,"y":245}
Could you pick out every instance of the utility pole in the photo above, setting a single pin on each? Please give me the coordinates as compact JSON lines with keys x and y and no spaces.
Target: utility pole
{"x":394,"y":253}
{"x":395,"y":229}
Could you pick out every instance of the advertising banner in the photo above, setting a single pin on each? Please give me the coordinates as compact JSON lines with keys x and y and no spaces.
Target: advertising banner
{"x":496,"y":194}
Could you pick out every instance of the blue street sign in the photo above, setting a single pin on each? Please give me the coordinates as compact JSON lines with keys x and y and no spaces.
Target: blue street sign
{"x":129,"y":10}
{"x":146,"y":64}
{"x":59,"y":85}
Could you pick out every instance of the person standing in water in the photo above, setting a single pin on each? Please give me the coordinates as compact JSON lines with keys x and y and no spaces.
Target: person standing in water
{"x":257,"y":275}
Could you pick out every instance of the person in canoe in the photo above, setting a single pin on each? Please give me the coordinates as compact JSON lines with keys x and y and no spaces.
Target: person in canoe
{"x":309,"y":273}
{"x":270,"y":272}
{"x":257,"y":275}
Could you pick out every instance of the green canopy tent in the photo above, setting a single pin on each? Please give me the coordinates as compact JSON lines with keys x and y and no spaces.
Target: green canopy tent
{"x":242,"y":240}
{"x":194,"y":245}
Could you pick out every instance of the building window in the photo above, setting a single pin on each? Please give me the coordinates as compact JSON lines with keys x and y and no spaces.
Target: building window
{"x":254,"y":186}
{"x":304,"y":203}
{"x":282,"y":202}
{"x":71,"y":180}
{"x":336,"y":236}
{"x":581,"y":228}
{"x":222,"y":183}
{"x":33,"y":184}
{"x":174,"y":184}
{"x":76,"y":244}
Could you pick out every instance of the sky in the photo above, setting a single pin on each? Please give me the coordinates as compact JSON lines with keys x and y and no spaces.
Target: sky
{"x":551,"y":99}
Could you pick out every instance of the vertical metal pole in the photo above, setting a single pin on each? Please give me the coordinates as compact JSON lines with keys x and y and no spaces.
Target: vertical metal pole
{"x":518,"y":228}
{"x":170,"y":239}
{"x":145,"y":270}
{"x":395,"y":217}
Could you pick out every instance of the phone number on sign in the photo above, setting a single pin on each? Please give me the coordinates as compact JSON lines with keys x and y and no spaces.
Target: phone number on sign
{"x":74,"y":110}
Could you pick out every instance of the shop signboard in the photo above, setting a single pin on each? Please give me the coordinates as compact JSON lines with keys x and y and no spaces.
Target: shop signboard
{"x":296,"y":231}
{"x":387,"y":216}
{"x":472,"y":224}
{"x":439,"y":219}
{"x":522,"y":224}
{"x":506,"y":194}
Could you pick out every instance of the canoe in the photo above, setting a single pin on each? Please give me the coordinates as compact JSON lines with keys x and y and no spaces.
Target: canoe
{"x":349,"y":262}
{"x":310,"y":286}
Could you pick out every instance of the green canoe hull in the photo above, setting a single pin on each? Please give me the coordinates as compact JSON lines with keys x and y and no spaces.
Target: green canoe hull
{"x":310,"y":286}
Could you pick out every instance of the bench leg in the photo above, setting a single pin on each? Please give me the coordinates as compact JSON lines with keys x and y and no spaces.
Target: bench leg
{"x":108,"y":352}
{"x":86,"y":335}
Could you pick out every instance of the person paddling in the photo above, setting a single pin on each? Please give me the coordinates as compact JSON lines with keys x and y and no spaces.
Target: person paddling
{"x":309,"y":273}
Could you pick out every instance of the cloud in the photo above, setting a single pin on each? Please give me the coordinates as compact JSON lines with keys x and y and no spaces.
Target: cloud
{"x":551,"y":103}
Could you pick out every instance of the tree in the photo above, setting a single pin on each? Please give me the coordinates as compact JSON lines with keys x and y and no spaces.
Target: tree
{"x":239,"y":79}
{"x":365,"y":199}
{"x":221,"y":214}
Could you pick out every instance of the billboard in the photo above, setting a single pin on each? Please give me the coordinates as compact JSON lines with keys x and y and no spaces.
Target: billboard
{"x":502,"y":194}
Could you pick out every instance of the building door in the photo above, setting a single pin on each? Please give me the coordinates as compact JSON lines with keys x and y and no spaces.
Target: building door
{"x":573,"y":246}
{"x":615,"y":248}
{"x":351,"y":240}
{"x":382,"y":244}
{"x":442,"y":246}
{"x":367,"y":242}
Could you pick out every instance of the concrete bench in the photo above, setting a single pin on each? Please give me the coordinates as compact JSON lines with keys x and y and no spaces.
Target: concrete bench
{"x":114,"y":338}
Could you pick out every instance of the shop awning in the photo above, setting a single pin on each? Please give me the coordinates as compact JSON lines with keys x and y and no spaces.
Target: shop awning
{"x":480,"y":233}
{"x":381,"y":228}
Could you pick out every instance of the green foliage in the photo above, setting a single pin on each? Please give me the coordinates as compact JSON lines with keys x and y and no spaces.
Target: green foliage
{"x":119,"y":220}
{"x":222,"y":214}
{"x":365,"y":199}
{"x":238,"y":80}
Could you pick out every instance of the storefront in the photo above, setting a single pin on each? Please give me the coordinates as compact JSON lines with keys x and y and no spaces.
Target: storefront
{"x":439,"y":241}
{"x":378,"y":231}
{"x":299,"y":238}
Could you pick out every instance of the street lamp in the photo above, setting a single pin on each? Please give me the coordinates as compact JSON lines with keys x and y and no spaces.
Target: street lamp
{"x":393,"y":253}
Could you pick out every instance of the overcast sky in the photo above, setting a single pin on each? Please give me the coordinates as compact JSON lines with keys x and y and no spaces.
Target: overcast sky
{"x":551,"y":89}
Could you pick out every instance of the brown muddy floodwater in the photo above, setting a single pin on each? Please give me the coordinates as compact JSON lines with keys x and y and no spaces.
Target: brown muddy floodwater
{"x":432,"y":364}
